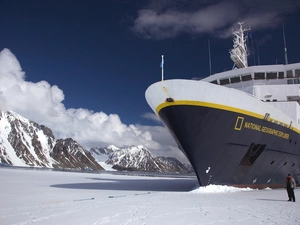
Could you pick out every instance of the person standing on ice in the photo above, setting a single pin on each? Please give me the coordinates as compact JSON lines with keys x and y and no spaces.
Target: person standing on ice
{"x":290,"y":185}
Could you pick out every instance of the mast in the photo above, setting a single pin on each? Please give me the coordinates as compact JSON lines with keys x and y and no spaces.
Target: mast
{"x":239,"y":52}
{"x":162,"y":67}
{"x":209,"y":57}
{"x":258,"y":60}
{"x":285,"y":49}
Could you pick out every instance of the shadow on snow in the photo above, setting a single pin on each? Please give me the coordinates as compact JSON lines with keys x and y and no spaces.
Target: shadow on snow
{"x":169,"y":185}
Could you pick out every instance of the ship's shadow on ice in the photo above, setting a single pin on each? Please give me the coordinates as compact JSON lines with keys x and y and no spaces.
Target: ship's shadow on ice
{"x":169,"y":185}
{"x":272,"y":200}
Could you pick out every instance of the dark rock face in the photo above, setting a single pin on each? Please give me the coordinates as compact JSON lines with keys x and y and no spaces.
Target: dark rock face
{"x":173,"y":164}
{"x":26,"y":143}
{"x":70,"y":154}
{"x":23,"y":136}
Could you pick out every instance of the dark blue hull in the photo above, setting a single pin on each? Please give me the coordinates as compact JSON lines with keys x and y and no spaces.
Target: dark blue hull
{"x":226,"y":147}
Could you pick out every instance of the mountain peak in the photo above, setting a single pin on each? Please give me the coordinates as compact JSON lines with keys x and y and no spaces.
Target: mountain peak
{"x":139,"y":158}
{"x":26,"y":143}
{"x":113,"y":147}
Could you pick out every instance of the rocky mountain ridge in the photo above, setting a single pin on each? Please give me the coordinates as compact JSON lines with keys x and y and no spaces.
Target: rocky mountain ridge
{"x":139,"y":158}
{"x":26,"y":143}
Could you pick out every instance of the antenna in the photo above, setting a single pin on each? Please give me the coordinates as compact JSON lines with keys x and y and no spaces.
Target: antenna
{"x":258,"y":60}
{"x":209,"y":57}
{"x":285,"y":49}
{"x":162,"y":67}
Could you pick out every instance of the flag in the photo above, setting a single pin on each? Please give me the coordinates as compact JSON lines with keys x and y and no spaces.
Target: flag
{"x":162,"y":62}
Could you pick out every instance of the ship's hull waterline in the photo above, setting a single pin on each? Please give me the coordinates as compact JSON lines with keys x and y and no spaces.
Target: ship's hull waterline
{"x":225,"y":141}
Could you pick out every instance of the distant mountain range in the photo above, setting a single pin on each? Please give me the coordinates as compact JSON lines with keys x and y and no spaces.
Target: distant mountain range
{"x":26,"y":143}
{"x":138,"y":158}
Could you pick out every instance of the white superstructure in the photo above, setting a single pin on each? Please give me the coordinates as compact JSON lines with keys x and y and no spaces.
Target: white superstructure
{"x":277,"y":85}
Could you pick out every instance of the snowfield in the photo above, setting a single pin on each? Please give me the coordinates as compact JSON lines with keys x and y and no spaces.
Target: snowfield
{"x":52,"y":197}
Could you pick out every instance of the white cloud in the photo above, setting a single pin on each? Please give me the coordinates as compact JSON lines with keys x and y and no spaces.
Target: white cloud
{"x":152,"y":116}
{"x":42,"y":103}
{"x":168,"y":19}
{"x":168,"y":146}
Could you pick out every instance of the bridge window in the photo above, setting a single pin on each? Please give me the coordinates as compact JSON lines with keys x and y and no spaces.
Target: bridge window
{"x":289,"y":73}
{"x":271,"y":75}
{"x":297,"y":72}
{"x":224,"y":81}
{"x":235,"y":79}
{"x":246,"y":77}
{"x":214,"y":82}
{"x":259,"y":76}
{"x":280,"y":75}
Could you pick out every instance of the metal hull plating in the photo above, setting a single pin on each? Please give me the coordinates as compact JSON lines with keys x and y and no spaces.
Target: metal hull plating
{"x":224,"y":143}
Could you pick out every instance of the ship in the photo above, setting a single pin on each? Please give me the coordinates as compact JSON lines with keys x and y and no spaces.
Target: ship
{"x":239,"y":127}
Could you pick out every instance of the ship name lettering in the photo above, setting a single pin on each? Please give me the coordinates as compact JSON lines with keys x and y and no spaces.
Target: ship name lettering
{"x":275,"y":132}
{"x":267,"y":130}
{"x":252,"y":126}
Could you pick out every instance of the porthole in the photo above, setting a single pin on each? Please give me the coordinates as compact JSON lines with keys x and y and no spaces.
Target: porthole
{"x":285,"y":163}
{"x":272,"y":162}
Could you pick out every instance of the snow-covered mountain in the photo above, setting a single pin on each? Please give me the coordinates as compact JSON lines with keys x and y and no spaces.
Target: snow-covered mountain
{"x":174,"y":165}
{"x":72,"y":155}
{"x":103,"y":151}
{"x":102,"y":154}
{"x":26,"y":143}
{"x":137,"y":158}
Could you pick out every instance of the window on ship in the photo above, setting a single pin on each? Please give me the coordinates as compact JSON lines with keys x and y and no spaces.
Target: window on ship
{"x":297,"y":72}
{"x":289,"y":73}
{"x":214,"y":82}
{"x":293,"y":98}
{"x":280,"y":75}
{"x":259,"y":76}
{"x":224,"y":81}
{"x":271,"y":75}
{"x":246,"y":77}
{"x":235,"y":79}
{"x":296,"y":81}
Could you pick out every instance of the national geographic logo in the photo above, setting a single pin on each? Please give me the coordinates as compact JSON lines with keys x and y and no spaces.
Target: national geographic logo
{"x":241,"y":123}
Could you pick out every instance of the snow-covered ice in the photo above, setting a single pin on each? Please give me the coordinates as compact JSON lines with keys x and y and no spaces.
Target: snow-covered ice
{"x":53,"y":197}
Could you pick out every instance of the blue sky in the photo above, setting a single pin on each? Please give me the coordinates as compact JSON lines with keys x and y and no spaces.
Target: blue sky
{"x":102,"y":55}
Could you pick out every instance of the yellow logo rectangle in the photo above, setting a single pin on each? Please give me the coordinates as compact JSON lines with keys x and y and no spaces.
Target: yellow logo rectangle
{"x":239,"y":123}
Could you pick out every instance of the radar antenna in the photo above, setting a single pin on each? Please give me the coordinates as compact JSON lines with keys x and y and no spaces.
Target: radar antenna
{"x":285,"y":49}
{"x":239,"y":52}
